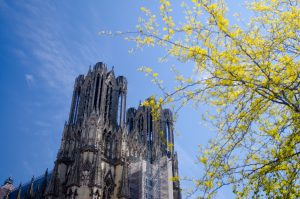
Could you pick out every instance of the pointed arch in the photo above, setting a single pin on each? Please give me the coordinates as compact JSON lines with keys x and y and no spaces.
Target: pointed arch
{"x":119,"y":111}
{"x":76,"y":105}
{"x":96,"y":91}
{"x":87,"y":96}
{"x":110,"y":105}
{"x":100,"y":95}
{"x":106,"y":103}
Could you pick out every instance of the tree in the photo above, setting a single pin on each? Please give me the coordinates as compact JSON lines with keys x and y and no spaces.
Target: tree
{"x":251,"y":75}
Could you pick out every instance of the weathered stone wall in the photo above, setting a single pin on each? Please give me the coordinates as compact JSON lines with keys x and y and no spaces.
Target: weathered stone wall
{"x":105,"y":155}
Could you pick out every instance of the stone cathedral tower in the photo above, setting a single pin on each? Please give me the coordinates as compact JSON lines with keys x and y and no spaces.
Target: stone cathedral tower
{"x":107,"y":152}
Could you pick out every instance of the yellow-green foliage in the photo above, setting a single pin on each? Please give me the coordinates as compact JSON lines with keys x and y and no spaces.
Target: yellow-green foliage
{"x":251,"y":74}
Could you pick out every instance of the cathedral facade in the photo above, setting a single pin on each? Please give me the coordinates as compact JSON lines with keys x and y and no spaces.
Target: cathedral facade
{"x":107,"y":151}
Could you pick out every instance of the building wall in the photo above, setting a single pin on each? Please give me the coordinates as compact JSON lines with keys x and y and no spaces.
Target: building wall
{"x":108,"y":152}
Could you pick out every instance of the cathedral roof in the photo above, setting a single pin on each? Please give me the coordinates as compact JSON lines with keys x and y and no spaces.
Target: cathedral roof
{"x":37,"y":186}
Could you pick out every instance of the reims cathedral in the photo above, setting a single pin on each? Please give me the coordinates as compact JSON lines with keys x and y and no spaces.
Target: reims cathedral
{"x":106,"y":151}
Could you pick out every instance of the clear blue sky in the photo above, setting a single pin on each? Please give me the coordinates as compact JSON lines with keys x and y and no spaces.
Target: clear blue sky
{"x":44,"y":45}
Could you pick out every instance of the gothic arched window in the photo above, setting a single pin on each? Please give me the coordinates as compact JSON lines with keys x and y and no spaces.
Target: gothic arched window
{"x":77,"y":100}
{"x":106,"y":104}
{"x":110,"y":104}
{"x":96,"y":91}
{"x":100,"y":96}
{"x":120,"y":101}
{"x":87,"y":96}
{"x":167,"y":132}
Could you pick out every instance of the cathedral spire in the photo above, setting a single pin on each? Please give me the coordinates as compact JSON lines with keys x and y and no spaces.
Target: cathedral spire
{"x":99,"y":141}
{"x":19,"y":191}
{"x":44,"y":185}
{"x":30,"y":190}
{"x":52,"y":188}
